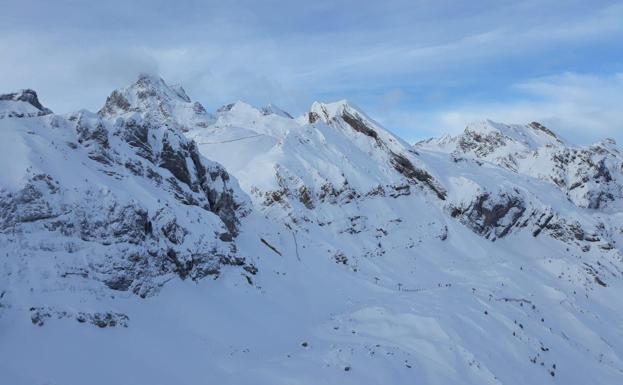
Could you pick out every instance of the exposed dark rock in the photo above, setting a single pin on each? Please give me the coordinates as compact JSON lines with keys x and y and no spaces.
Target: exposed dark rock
{"x":30,"y":204}
{"x":182,"y":267}
{"x":265,"y":242}
{"x":135,"y":167}
{"x":40,"y":315}
{"x":136,"y":135}
{"x":339,"y":257}
{"x":400,"y":190}
{"x":539,"y":127}
{"x":251,"y":269}
{"x":174,"y":232}
{"x":198,"y":108}
{"x":28,"y":96}
{"x":481,"y":144}
{"x":174,"y":160}
{"x":305,"y":197}
{"x":120,"y":224}
{"x":542,"y":223}
{"x":120,"y":283}
{"x":115,"y":102}
{"x":595,"y":274}
{"x":226,"y":108}
{"x":104,"y":320}
{"x":224,"y":205}
{"x":404,"y":166}
{"x":313,"y":117}
{"x":491,"y":216}
{"x":357,"y":123}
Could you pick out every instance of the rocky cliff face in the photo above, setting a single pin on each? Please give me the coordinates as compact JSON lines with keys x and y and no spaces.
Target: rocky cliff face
{"x":123,"y":192}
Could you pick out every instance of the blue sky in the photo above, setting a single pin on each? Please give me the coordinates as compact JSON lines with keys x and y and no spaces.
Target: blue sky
{"x":422,"y":68}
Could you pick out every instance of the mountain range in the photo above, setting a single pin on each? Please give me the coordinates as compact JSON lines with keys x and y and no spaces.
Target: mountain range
{"x":154,"y":242}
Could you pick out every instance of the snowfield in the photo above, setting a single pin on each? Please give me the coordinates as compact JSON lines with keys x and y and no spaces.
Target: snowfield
{"x":156,"y":243}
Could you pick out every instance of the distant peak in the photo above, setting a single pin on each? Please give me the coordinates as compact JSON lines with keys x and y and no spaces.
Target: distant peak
{"x":532,"y":135}
{"x":607,"y":143}
{"x":238,"y":106}
{"x":26,"y":95}
{"x":328,"y":111}
{"x":272,"y":109}
{"x":148,"y":92}
{"x":23,"y":103}
{"x":487,"y":126}
{"x":152,"y":98}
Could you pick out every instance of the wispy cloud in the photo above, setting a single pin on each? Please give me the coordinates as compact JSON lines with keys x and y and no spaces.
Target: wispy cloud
{"x":581,"y":107}
{"x":399,"y":59}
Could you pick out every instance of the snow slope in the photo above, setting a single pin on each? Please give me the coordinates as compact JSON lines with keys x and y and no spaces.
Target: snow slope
{"x":354,"y":257}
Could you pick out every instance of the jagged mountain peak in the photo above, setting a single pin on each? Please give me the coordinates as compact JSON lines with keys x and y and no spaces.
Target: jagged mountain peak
{"x":146,"y":93}
{"x":532,"y":135}
{"x":608,"y":145}
{"x":493,"y":140}
{"x":242,"y":108}
{"x":25,"y":95}
{"x":152,"y":98}
{"x":23,"y":103}
{"x":345,"y":115}
{"x":328,"y":111}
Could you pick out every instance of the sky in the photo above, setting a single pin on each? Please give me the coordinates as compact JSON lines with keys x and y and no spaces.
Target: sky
{"x":422,"y":68}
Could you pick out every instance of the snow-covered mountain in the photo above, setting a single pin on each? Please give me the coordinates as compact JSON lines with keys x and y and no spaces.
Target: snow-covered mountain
{"x":590,"y":176}
{"x":125,"y":200}
{"x":336,"y":251}
{"x":21,"y":104}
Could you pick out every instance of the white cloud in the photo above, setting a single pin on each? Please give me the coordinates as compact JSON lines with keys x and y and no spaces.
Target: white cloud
{"x":580,"y":107}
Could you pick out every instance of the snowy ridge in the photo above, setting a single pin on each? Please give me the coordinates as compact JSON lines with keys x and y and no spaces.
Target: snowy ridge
{"x":494,"y":140}
{"x":297,"y":165}
{"x":24,"y":103}
{"x":590,"y":176}
{"x":339,"y":253}
{"x":273,"y":109}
